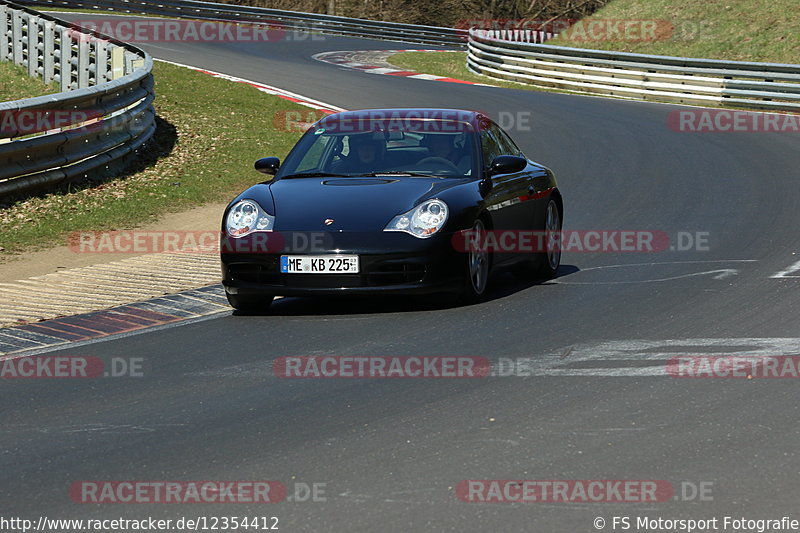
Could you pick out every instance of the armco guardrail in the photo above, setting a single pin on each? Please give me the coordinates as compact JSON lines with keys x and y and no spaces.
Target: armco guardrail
{"x":312,"y":22}
{"x":707,"y":82}
{"x":105,"y":113}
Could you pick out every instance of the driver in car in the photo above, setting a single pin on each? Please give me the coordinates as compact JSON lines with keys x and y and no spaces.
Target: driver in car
{"x":443,"y":146}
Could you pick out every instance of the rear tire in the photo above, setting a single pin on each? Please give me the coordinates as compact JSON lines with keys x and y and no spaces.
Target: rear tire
{"x":545,"y":265}
{"x":250,"y":303}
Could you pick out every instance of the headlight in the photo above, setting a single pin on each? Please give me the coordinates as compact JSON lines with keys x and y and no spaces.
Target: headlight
{"x":246,"y":217}
{"x":423,"y":221}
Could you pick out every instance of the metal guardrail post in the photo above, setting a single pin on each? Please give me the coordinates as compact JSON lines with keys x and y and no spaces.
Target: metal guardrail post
{"x":117,"y":62}
{"x":48,"y":51}
{"x":65,"y":58}
{"x":33,"y":41}
{"x":101,"y":61}
{"x":83,"y":63}
{"x":129,"y":58}
{"x":16,"y":38}
{"x":5,"y":39}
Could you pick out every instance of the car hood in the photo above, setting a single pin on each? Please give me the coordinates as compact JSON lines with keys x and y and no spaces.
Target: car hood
{"x":354,"y":204}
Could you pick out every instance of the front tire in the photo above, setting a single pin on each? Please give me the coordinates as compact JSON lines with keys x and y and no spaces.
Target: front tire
{"x":477,"y":267}
{"x":250,"y":303}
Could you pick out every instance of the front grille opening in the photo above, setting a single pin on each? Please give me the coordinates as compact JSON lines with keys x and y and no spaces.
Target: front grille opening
{"x":253,"y":273}
{"x":396,"y":274}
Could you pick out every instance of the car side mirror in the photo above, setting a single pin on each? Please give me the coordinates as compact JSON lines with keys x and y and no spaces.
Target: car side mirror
{"x":507,"y":164}
{"x":268,"y":165}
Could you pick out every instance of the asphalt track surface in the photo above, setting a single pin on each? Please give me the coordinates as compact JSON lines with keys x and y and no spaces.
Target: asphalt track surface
{"x":390,"y":452}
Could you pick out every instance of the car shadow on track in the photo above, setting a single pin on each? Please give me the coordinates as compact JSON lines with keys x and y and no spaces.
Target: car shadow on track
{"x":503,"y":284}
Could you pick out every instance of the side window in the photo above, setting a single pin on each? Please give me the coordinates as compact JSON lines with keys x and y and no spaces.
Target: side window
{"x":490,"y":147}
{"x":313,"y":158}
{"x":507,"y":146}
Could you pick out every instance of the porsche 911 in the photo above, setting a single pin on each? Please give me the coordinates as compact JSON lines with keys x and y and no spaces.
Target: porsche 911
{"x":369,"y":202}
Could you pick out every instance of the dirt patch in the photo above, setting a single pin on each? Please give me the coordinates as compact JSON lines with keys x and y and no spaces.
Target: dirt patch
{"x":204,"y":218}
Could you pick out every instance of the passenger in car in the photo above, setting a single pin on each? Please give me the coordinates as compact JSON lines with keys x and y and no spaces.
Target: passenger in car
{"x":367,"y":153}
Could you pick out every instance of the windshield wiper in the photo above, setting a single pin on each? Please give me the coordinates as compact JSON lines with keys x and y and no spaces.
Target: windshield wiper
{"x":401,"y":173}
{"x":316,"y":175}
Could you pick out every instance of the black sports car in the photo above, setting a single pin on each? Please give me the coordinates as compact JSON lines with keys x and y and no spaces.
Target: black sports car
{"x":376,"y":201}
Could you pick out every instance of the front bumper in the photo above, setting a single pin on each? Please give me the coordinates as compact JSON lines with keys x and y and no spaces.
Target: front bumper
{"x":389,"y":263}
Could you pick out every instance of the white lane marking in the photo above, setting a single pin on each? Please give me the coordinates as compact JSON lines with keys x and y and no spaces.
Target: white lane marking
{"x":726,"y":272}
{"x":638,"y":349}
{"x":673,"y":263}
{"x":721,"y":273}
{"x":162,"y":47}
{"x":381,"y":70}
{"x":425,"y":77}
{"x":642,"y":358}
{"x":784,"y":273}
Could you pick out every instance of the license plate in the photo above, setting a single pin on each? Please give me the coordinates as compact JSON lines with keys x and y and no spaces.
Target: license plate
{"x":319,"y":264}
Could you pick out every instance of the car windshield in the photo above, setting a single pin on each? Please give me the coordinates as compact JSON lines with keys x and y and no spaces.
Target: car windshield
{"x":430,"y":151}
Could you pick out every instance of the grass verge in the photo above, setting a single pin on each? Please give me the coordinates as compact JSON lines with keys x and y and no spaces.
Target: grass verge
{"x":210,"y":131}
{"x":16,"y":84}
{"x":735,"y":30}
